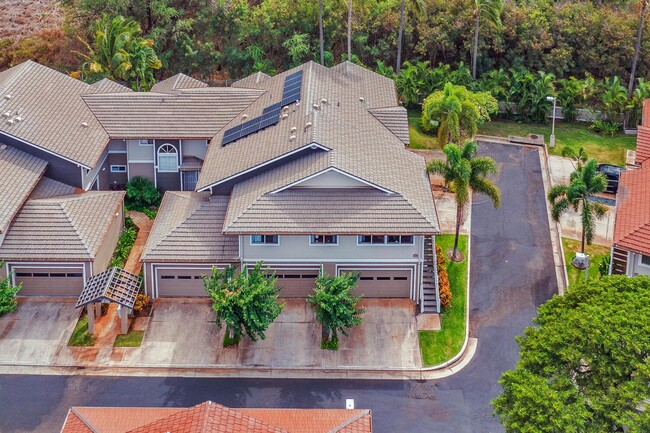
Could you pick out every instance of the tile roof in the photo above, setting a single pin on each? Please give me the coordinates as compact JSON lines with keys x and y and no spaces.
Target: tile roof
{"x":185,"y":114}
{"x":209,"y":417}
{"x":251,"y":80}
{"x":62,"y":228}
{"x":632,"y":224}
{"x":20,"y":174}
{"x":310,"y":210}
{"x":177,"y":82}
{"x":108,"y":86}
{"x":53,"y":115}
{"x":396,"y":120}
{"x":188,"y":228}
{"x":642,"y":144}
{"x":47,"y":187}
{"x":358,"y":142}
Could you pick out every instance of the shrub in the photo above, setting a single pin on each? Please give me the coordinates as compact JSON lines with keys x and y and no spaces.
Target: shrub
{"x":444,"y":287}
{"x":8,"y":291}
{"x":141,"y":302}
{"x":603,"y":266}
{"x":124,"y":244}
{"x":327,"y":344}
{"x":141,"y":193}
{"x":606,"y":127}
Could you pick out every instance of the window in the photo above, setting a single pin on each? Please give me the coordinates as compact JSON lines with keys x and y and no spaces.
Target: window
{"x":645,"y":260}
{"x":265,"y":239}
{"x":385,"y":240}
{"x":146,"y":142}
{"x":57,"y":274}
{"x":118,"y":168}
{"x":167,"y":159}
{"x":167,"y":277}
{"x":323,"y":240}
{"x":190,"y":178}
{"x":74,"y":275}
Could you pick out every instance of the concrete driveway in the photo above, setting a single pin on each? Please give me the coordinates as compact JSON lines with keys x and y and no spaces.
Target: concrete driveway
{"x":183,"y":333}
{"x":35,"y":332}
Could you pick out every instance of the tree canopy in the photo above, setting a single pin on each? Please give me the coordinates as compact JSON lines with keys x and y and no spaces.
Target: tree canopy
{"x":584,"y":365}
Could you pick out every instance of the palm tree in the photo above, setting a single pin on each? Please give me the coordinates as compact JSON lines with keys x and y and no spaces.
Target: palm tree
{"x":418,"y":5}
{"x":320,"y":31}
{"x":455,"y":111}
{"x":583,"y":183}
{"x":464,"y":172}
{"x":492,"y":11}
{"x":643,"y":5}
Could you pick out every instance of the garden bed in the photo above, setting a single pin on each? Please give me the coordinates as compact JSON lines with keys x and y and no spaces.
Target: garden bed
{"x":124,"y":244}
{"x":596,"y":255}
{"x":80,"y":336}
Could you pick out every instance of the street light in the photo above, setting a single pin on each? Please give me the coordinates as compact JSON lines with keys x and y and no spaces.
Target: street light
{"x":552,"y":142}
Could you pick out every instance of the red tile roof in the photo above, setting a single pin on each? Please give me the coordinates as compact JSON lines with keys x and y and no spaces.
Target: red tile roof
{"x":310,"y":420}
{"x":632,"y":226}
{"x":643,"y":135}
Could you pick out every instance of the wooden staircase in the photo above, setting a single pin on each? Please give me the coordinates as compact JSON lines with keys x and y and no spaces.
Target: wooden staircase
{"x":430,"y":300}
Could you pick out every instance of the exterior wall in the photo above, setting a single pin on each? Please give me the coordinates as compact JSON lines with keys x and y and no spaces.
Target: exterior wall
{"x":109,"y":243}
{"x":635,"y":267}
{"x":196,"y":148}
{"x":116,"y":146}
{"x":58,"y":168}
{"x":331,"y":179}
{"x":141,"y":169}
{"x":139,"y":153}
{"x":109,"y":180}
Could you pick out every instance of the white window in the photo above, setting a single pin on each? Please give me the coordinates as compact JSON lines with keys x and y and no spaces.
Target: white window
{"x":146,"y":142}
{"x":265,"y":239}
{"x":118,"y":168}
{"x":385,"y":240}
{"x":167,"y":159}
{"x":323,"y":240}
{"x":645,"y":260}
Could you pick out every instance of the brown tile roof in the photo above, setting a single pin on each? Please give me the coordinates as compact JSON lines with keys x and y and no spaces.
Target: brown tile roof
{"x":251,"y":81}
{"x":20,"y":174}
{"x":47,"y":188}
{"x":113,"y":419}
{"x":53,"y":115}
{"x":314,"y":420}
{"x":188,"y":228}
{"x":62,"y":228}
{"x":642,"y":144}
{"x":632,"y":225}
{"x":108,"y":86}
{"x":396,"y":120}
{"x":74,"y":424}
{"x":177,"y":82}
{"x":186,"y":114}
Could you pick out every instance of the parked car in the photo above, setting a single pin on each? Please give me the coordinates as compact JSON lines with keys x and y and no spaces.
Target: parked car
{"x":612,"y":173}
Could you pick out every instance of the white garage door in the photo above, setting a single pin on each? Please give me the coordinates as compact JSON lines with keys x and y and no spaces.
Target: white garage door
{"x":183,"y":283}
{"x":379,"y":283}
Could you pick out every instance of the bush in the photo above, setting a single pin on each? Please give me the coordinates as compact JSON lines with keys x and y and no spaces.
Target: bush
{"x":141,"y":302}
{"x":444,"y":288}
{"x":141,"y":194}
{"x":327,"y":344}
{"x":606,"y":127}
{"x":8,"y":302}
{"x":124,"y":244}
{"x":603,"y":266}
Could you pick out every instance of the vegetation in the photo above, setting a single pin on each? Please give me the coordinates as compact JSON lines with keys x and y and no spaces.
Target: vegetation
{"x":584,"y":182}
{"x":247,"y":302}
{"x":142,"y":302}
{"x":335,"y":308}
{"x":491,"y":10}
{"x":419,"y":139}
{"x":464,"y":172}
{"x":8,"y":301}
{"x":583,"y":366}
{"x":596,"y":255}
{"x":444,"y":286}
{"x":124,"y":244}
{"x":441,"y":346}
{"x":132,"y":339}
{"x":141,"y":194}
{"x":80,"y":336}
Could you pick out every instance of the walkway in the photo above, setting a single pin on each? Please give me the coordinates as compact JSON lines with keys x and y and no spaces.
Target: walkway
{"x":144,"y":224}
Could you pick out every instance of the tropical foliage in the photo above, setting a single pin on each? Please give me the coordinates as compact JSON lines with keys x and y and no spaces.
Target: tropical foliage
{"x":8,"y":291}
{"x":583,"y":366}
{"x":246,"y":302}
{"x":124,"y":244}
{"x":465,"y":172}
{"x":141,"y":193}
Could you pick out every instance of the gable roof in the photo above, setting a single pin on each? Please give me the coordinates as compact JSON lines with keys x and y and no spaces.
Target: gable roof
{"x":52,"y":114}
{"x":113,"y":419}
{"x":62,"y":228}
{"x":47,"y":187}
{"x":632,"y":224}
{"x":106,"y":85}
{"x":188,"y":228}
{"x":251,"y":80}
{"x":20,"y":174}
{"x":177,"y":82}
{"x":185,"y":114}
{"x":396,"y":120}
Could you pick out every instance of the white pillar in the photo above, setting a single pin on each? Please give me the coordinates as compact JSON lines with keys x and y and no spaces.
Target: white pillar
{"x":91,"y":319}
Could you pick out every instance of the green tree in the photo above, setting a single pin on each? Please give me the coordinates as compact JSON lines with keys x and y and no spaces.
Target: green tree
{"x":143,"y":62}
{"x":463,"y":171}
{"x":298,"y":48}
{"x":454,"y":111}
{"x":8,"y":291}
{"x":643,"y":6}
{"x":418,"y":6}
{"x":321,"y":37}
{"x":583,"y":366}
{"x":583,"y":184}
{"x":491,"y":10}
{"x":246,"y":302}
{"x":141,"y":193}
{"x":614,"y":98}
{"x":336,"y":309}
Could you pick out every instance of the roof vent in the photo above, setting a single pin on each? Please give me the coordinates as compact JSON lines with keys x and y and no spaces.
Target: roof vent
{"x":361,"y":98}
{"x":7,"y":114}
{"x":308,"y":124}
{"x":323,"y":101}
{"x":84,"y":124}
{"x":18,"y":118}
{"x":293,"y":137}
{"x":244,"y":116}
{"x":297,"y":102}
{"x":315,"y":106}
{"x":285,"y":108}
{"x":7,"y":96}
{"x":10,"y":121}
{"x":294,"y":129}
{"x":285,"y":115}
{"x":3,"y":147}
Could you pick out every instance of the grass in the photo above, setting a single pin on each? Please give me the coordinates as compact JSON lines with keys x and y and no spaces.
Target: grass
{"x":596,"y":253}
{"x":604,"y":149}
{"x":230,"y":342}
{"x":80,"y":336}
{"x":132,"y":339}
{"x":441,"y":346}
{"x":418,"y":138}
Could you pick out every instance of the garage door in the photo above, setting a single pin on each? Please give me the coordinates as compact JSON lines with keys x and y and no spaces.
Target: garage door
{"x":59,"y":282}
{"x":377,"y":283}
{"x":181,"y":282}
{"x":296,"y":283}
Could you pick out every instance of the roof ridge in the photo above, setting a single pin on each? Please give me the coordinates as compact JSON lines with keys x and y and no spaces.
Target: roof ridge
{"x":72,"y":223}
{"x":355,"y":418}
{"x":177,"y":226}
{"x":84,"y":420}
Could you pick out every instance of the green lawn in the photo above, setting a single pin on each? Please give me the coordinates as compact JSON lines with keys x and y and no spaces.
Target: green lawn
{"x":80,"y":335}
{"x":604,"y":148}
{"x":132,"y":339}
{"x":440,"y":346}
{"x":596,"y":253}
{"x":418,"y":138}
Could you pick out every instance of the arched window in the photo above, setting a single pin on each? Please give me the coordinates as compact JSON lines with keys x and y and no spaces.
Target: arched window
{"x":167,"y":158}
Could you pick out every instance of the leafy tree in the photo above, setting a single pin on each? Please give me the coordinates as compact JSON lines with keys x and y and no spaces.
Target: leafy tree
{"x":298,"y":48}
{"x":464,"y":172}
{"x":260,"y":64}
{"x":383,"y":69}
{"x":643,"y":6}
{"x":8,"y":291}
{"x":321,"y":37}
{"x":583,"y":367}
{"x":143,"y":61}
{"x":418,"y":6}
{"x":410,"y":83}
{"x":246,"y":302}
{"x":572,"y":94}
{"x":614,"y":97}
{"x":141,"y":193}
{"x":491,"y":9}
{"x":583,"y":184}
{"x":635,"y":103}
{"x":336,"y":309}
{"x":455,"y":110}
{"x":530,"y":92}
{"x":497,"y":83}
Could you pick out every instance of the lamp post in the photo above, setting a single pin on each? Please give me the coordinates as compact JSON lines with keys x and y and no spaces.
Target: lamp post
{"x":552,"y":141}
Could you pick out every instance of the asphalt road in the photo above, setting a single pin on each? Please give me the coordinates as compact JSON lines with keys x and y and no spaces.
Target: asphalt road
{"x":511,"y":273}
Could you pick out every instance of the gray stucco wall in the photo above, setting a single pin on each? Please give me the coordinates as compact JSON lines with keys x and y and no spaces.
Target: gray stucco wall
{"x":139,"y":152}
{"x":635,"y":267}
{"x":196,"y":148}
{"x":141,"y":169}
{"x":109,"y":243}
